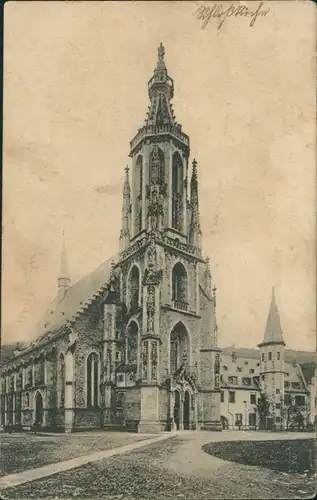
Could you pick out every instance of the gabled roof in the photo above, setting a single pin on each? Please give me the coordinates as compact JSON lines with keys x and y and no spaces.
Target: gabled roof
{"x":273,"y":332}
{"x":75,"y":299}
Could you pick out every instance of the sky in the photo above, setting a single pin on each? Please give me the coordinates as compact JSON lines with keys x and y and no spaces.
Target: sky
{"x":75,"y":94}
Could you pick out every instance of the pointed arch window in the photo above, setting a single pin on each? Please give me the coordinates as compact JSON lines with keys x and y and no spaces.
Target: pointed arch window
{"x":132,"y":343}
{"x":27,"y":400}
{"x":177,"y":191}
{"x":92,"y":380}
{"x":179,"y":286}
{"x":157,"y":166}
{"x":134,"y":287}
{"x":61,"y":381}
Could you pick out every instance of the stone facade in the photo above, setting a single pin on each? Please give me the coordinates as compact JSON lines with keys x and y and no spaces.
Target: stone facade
{"x":133,"y":345}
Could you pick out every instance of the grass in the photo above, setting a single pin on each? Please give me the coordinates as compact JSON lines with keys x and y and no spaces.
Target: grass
{"x":28,"y":451}
{"x":293,"y":456}
{"x":143,"y":475}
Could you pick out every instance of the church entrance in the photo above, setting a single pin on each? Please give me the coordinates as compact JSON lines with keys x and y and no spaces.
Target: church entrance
{"x":186,"y":411}
{"x":39,"y":409}
{"x":177,"y":407}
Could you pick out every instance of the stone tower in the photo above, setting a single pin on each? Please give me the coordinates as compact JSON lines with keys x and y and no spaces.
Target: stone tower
{"x":272,"y":362}
{"x":165,"y":334}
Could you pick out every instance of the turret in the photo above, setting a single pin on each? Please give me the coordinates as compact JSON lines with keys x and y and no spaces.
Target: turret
{"x":272,"y":361}
{"x":194,"y":227}
{"x":126,"y":210}
{"x":64,"y":281}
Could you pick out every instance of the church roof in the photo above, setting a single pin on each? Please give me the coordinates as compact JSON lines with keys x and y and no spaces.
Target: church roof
{"x":273,"y":332}
{"x":76,"y":298}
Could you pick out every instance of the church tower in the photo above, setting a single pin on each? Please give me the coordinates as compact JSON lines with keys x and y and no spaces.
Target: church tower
{"x":272,"y":362}
{"x":167,"y":341}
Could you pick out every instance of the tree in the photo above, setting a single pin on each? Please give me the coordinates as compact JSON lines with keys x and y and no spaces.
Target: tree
{"x":293,"y":415}
{"x":263,"y":409}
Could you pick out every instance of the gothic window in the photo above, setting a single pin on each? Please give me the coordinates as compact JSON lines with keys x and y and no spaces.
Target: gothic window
{"x":157,"y":166}
{"x":174,"y":355}
{"x":27,"y":400}
{"x":61,"y":380}
{"x":138,"y":191}
{"x":179,"y":346}
{"x":278,"y":355}
{"x":92,"y":380}
{"x":179,"y":284}
{"x":134,"y":287}
{"x":132,"y":343}
{"x":177,"y":190}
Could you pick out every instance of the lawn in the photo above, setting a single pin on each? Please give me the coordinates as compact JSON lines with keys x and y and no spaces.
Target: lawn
{"x":19,"y":452}
{"x":143,"y":475}
{"x":293,"y":456}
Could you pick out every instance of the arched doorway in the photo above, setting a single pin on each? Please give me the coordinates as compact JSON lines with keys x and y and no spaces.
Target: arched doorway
{"x":177,"y":407}
{"x":186,"y":411}
{"x":39,"y":409}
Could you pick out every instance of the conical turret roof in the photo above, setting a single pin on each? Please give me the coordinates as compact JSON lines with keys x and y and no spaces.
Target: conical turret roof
{"x":273,"y":332}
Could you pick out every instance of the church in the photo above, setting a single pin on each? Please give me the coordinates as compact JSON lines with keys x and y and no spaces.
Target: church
{"x":134,"y":344}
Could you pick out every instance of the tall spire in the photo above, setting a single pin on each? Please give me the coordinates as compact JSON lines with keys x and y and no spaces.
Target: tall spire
{"x":161,"y":91}
{"x":273,"y":332}
{"x":194,"y":228}
{"x":126,"y":207}
{"x":64,"y":281}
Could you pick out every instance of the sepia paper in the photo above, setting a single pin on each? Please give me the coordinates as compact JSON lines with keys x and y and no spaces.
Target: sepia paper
{"x":75,"y":95}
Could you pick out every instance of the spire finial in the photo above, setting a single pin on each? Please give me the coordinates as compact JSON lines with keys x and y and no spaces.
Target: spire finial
{"x":161,"y":53}
{"x":63,"y":281}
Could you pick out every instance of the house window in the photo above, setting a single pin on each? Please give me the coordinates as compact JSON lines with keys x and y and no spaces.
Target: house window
{"x":251,"y":370}
{"x":262,"y":356}
{"x":277,"y":419}
{"x":233,"y":380}
{"x":296,"y":385}
{"x":286,"y":384}
{"x":286,"y":374}
{"x":287,"y":399}
{"x":315,"y":402}
{"x":239,"y":369}
{"x":92,"y":380}
{"x":278,"y":355}
{"x":232,"y":397}
{"x":120,"y":378}
{"x":262,"y":377}
{"x":278,"y":406}
{"x":118,"y":356}
{"x":258,"y":364}
{"x":225,"y":368}
{"x":270,"y":356}
{"x":277,"y":391}
{"x":253,"y":399}
{"x":246,"y":362}
{"x":246,"y":380}
{"x":299,"y":400}
{"x":234,"y":357}
{"x":221,"y":378}
{"x":222,"y":396}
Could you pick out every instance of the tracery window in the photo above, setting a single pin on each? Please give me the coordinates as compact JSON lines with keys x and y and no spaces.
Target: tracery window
{"x":92,"y":380}
{"x":179,"y":283}
{"x":132,"y":343}
{"x":61,"y":380}
{"x":134,"y":287}
{"x":157,"y":166}
{"x":177,"y":191}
